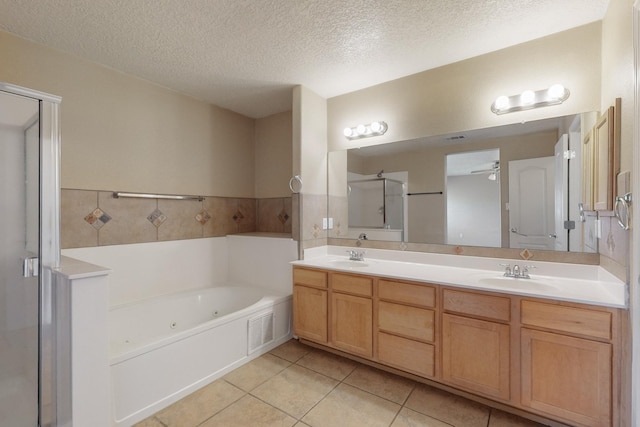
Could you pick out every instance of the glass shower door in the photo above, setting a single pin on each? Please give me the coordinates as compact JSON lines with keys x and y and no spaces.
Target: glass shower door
{"x":19,"y":260}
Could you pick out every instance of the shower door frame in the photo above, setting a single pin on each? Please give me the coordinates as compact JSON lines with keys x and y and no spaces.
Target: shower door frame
{"x":53,"y":386}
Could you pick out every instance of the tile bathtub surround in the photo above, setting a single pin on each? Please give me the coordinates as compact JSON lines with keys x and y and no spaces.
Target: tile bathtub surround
{"x":275,"y":215}
{"x":95,"y":218}
{"x":296,"y":385}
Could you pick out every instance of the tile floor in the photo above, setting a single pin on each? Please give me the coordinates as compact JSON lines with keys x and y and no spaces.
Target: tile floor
{"x":296,"y":385}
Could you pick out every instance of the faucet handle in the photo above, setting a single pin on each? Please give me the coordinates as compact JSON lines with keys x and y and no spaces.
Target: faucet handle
{"x":507,"y":269}
{"x":525,"y":270}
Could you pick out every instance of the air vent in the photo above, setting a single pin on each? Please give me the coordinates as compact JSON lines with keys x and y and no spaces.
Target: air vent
{"x":260,"y":331}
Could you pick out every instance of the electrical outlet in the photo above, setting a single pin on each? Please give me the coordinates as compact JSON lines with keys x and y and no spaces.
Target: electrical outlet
{"x":325,"y":223}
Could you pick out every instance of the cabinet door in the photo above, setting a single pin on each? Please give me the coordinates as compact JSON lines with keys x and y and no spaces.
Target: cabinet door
{"x":408,"y":355}
{"x":475,"y":355}
{"x":352,"y":324}
{"x":603,"y":161}
{"x":411,"y":322}
{"x":310,"y":313}
{"x":587,"y":172}
{"x":567,"y":377}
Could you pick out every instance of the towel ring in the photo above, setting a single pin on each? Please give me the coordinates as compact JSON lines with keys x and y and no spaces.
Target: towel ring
{"x":622,"y":215}
{"x":293,"y":180}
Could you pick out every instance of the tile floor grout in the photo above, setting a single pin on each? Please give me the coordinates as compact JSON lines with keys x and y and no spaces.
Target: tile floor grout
{"x":401,"y":417}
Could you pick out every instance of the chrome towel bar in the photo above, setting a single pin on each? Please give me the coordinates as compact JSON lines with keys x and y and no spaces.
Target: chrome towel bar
{"x":119,"y":194}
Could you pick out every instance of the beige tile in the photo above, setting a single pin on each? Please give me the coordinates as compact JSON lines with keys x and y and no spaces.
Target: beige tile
{"x":292,"y":350}
{"x":447,"y":407}
{"x":250,"y":412}
{"x":200,"y":405}
{"x":268,"y":210}
{"x":295,"y":217}
{"x":129,"y":223}
{"x":409,"y":418}
{"x":503,"y":419}
{"x":181,"y":220}
{"x":149,"y":422}
{"x":383,"y":384}
{"x":221,"y":210}
{"x":247,"y":207}
{"x":328,"y":364}
{"x":75,"y":205}
{"x":314,"y":207}
{"x":349,"y":406}
{"x":254,"y":373}
{"x":288,"y":208}
{"x":295,"y":390}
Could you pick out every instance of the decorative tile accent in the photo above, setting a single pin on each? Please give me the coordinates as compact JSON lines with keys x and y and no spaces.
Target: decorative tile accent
{"x":283,"y":216}
{"x":97,"y":218}
{"x":316,"y":231}
{"x":238,"y":217}
{"x":202,"y":217}
{"x":157,"y":217}
{"x":526,"y":254}
{"x":458,"y":250}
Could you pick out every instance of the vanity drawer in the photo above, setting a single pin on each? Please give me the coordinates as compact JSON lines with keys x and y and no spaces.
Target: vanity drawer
{"x":572,"y":320}
{"x":486,"y":306}
{"x":411,"y":322}
{"x":357,"y":285}
{"x":405,"y":354}
{"x":392,"y":290}
{"x":315,"y":278}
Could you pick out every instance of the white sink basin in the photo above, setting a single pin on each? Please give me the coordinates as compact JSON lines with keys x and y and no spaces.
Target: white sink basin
{"x":516,"y":283}
{"x":346,"y":263}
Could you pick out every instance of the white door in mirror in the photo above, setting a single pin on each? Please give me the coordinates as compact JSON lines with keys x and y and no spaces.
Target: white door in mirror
{"x":531,"y":203}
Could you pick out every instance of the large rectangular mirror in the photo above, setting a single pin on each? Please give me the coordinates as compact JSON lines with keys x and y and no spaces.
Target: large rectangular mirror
{"x":514,"y":186}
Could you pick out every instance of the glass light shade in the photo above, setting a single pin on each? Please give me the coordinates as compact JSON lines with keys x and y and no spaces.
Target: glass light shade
{"x":376,"y":127}
{"x":501,"y":102}
{"x":347,"y":132}
{"x":527,"y":97}
{"x":556,"y":91}
{"x":361,"y":129}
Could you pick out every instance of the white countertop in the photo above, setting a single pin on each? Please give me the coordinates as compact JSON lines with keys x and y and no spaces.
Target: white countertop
{"x":588,"y":284}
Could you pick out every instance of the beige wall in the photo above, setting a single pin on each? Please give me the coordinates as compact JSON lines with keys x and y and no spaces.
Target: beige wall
{"x":310,"y":162}
{"x":123,"y":133}
{"x":617,"y":70}
{"x":273,"y":156}
{"x":457,"y":97}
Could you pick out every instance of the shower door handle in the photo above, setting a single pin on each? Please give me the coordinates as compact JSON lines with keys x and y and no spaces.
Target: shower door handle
{"x":30,"y":267}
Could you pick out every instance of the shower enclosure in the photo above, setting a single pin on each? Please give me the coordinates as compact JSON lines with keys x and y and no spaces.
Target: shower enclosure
{"x":376,"y":203}
{"x":29,"y":209}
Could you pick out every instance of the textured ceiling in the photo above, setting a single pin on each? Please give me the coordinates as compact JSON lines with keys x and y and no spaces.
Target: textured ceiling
{"x":246,"y":55}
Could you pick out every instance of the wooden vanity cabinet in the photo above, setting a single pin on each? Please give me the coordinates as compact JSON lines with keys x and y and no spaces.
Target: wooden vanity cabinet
{"x":566,"y":362}
{"x":476,"y":347}
{"x":310,"y":304}
{"x":559,"y":360}
{"x":351,"y":308}
{"x":405,"y":326}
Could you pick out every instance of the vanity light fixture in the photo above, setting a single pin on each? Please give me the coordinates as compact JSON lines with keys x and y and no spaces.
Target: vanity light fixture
{"x":529,"y":99}
{"x":365,"y":131}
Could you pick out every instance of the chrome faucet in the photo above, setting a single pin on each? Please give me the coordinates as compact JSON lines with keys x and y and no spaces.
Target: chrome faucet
{"x":516,"y":272}
{"x":356,"y":255}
